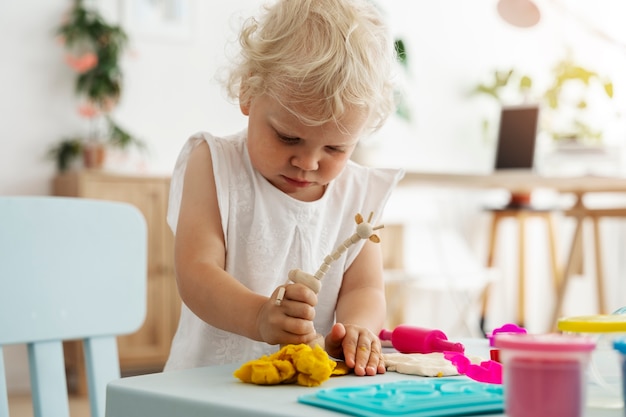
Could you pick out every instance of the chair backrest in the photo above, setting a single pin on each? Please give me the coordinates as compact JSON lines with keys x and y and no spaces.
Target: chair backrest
{"x":70,"y":269}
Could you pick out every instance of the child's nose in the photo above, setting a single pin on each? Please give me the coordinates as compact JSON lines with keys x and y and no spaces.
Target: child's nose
{"x":306,"y":161}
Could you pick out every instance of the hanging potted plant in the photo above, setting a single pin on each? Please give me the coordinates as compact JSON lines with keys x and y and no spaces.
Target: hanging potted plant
{"x":93,"y":50}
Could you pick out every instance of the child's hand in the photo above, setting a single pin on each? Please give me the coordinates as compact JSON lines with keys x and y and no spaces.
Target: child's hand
{"x":359,"y":348}
{"x":289,"y":321}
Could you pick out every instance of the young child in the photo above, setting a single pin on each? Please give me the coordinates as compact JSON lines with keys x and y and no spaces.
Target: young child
{"x":314,"y":78}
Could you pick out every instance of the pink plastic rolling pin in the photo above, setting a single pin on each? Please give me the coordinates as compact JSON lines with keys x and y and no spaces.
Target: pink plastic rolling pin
{"x":412,"y":339}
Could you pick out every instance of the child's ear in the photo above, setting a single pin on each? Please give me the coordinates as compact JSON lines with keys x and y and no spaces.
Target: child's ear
{"x":245,"y":107}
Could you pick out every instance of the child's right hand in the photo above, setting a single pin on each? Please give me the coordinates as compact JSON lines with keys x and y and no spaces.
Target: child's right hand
{"x":291,"y":320}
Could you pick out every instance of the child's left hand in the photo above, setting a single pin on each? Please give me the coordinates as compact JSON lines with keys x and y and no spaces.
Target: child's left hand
{"x":359,"y":348}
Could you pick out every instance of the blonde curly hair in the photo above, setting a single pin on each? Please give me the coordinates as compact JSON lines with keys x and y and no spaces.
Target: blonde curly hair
{"x":319,"y":59}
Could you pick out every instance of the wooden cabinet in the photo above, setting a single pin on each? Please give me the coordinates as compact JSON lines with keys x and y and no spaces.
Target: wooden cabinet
{"x":148,"y":348}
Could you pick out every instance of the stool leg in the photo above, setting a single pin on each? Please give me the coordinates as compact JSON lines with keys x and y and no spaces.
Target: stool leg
{"x":493,"y":235}
{"x":554,"y":263}
{"x":567,"y":271}
{"x":578,"y":267}
{"x":599,"y":270}
{"x":521,"y":280}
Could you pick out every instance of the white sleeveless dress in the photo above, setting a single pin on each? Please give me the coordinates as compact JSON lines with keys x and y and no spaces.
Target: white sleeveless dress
{"x":268,"y":233}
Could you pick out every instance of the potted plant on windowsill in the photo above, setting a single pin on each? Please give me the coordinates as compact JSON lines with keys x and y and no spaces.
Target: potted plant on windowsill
{"x":564,"y":103}
{"x":576,"y":114}
{"x":93,"y":50}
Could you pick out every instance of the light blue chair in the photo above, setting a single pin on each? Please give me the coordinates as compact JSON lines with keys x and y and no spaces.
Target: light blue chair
{"x":70,"y":269}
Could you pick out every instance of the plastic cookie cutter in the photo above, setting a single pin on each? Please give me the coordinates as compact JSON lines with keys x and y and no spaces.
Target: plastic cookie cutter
{"x":487,"y":371}
{"x":364,"y":230}
{"x":507,"y":328}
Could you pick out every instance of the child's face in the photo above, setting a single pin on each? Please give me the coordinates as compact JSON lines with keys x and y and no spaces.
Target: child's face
{"x":297,"y":159}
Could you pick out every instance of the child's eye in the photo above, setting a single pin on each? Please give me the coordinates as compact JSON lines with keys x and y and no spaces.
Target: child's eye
{"x":335,"y":149}
{"x":288,"y":139}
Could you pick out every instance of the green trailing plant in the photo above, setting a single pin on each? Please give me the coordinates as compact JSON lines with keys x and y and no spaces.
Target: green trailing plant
{"x":120,"y":137}
{"x":401,"y":52}
{"x":93,"y":50}
{"x":403,"y":109}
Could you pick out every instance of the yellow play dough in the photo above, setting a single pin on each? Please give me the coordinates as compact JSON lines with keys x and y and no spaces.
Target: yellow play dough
{"x":299,"y":364}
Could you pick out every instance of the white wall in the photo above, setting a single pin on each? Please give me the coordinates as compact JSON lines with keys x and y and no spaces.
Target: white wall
{"x":171,"y":92}
{"x":169,"y":89}
{"x":455,"y":44}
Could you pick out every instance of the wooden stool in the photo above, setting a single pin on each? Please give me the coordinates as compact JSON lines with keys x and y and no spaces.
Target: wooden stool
{"x":519,"y":213}
{"x":574,"y":261}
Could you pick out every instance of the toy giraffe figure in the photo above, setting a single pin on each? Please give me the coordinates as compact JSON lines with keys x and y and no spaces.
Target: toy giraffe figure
{"x":364,"y":230}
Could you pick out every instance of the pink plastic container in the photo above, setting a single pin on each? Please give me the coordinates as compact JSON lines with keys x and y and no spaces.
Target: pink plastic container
{"x":544,"y":375}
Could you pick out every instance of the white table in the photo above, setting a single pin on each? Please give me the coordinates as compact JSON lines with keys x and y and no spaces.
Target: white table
{"x":214,"y":391}
{"x":518,"y":181}
{"x":525,"y":181}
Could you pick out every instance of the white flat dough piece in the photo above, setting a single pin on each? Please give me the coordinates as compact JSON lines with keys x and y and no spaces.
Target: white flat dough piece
{"x":422,"y":364}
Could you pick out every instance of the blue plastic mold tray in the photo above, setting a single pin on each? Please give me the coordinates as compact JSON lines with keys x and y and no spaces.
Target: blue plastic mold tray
{"x":418,"y":398}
